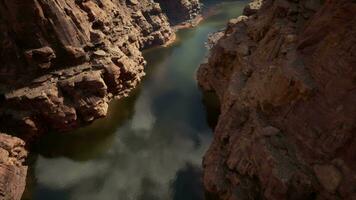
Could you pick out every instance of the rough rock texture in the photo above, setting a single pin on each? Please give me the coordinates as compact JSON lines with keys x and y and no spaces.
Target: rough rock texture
{"x":12,"y":168}
{"x":64,"y":60}
{"x":179,"y":11}
{"x":286,"y":79}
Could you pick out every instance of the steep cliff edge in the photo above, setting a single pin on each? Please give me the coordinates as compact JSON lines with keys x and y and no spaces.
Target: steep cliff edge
{"x":12,"y":168}
{"x":286,"y":78}
{"x":63,"y":61}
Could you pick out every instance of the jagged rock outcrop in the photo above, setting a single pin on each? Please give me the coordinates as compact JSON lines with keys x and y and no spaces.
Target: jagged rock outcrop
{"x":63,"y":61}
{"x":179,"y":11}
{"x":12,"y":169}
{"x":285,"y":76}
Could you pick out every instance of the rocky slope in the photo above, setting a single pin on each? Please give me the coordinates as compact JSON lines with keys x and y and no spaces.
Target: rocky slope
{"x":12,"y":168}
{"x":285,"y":76}
{"x":63,"y":61}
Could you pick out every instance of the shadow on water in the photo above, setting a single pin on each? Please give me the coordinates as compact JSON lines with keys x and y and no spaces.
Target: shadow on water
{"x":151,"y":144}
{"x":79,"y":145}
{"x":188,"y":184}
{"x":90,"y":141}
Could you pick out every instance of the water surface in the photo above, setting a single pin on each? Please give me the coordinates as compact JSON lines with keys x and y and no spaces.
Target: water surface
{"x":150,"y":147}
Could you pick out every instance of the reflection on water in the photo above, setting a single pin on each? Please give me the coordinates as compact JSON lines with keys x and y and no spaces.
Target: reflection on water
{"x":151,"y":145}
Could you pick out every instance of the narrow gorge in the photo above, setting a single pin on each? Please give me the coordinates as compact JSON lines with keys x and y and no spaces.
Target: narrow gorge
{"x":105,"y":99}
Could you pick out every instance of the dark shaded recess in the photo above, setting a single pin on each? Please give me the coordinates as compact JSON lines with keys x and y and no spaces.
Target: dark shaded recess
{"x":173,"y":10}
{"x":211,"y":196}
{"x":2,"y":98}
{"x":7,"y":125}
{"x":212,"y":106}
{"x":249,"y":189}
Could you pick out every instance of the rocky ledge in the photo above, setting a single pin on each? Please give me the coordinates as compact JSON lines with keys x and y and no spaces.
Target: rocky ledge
{"x":63,"y":61}
{"x":285,"y":76}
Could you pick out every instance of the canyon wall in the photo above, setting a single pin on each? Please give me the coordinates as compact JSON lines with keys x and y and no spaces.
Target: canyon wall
{"x":63,"y":61}
{"x":286,"y":79}
{"x":12,"y":167}
{"x":179,"y":11}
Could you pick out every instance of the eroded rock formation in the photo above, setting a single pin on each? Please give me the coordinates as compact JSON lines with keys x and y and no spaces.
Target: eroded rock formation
{"x":285,"y":76}
{"x":179,"y":11}
{"x":12,"y":168}
{"x":63,"y":61}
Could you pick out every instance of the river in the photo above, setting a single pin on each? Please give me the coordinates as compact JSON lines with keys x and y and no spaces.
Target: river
{"x":150,"y":147}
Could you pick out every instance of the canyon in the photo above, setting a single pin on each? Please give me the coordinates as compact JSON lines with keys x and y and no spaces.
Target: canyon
{"x":284,"y":73}
{"x":64,"y":61}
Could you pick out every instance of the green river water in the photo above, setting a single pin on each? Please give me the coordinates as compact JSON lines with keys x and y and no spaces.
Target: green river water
{"x":150,"y":147}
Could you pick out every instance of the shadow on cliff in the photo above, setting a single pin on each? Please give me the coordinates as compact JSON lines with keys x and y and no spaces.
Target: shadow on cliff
{"x":212,"y":107}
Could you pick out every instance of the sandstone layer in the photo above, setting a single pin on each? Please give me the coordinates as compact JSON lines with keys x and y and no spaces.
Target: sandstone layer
{"x":63,"y":61}
{"x":286,"y":79}
{"x":12,"y":168}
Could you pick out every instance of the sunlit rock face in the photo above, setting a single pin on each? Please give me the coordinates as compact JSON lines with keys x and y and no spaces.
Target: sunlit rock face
{"x":69,"y":58}
{"x":285,"y":77}
{"x":63,"y":61}
{"x":12,"y":168}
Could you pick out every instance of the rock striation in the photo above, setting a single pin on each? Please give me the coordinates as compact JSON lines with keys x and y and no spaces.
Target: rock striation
{"x":63,"y":61}
{"x":12,"y":168}
{"x":285,"y":76}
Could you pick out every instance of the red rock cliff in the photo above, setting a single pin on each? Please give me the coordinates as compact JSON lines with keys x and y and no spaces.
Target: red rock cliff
{"x":286,"y":79}
{"x":63,"y":61}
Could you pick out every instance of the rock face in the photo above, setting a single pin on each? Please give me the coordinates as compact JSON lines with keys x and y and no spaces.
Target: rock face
{"x":285,"y":76}
{"x":63,"y":61}
{"x":12,"y":168}
{"x":179,"y":11}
